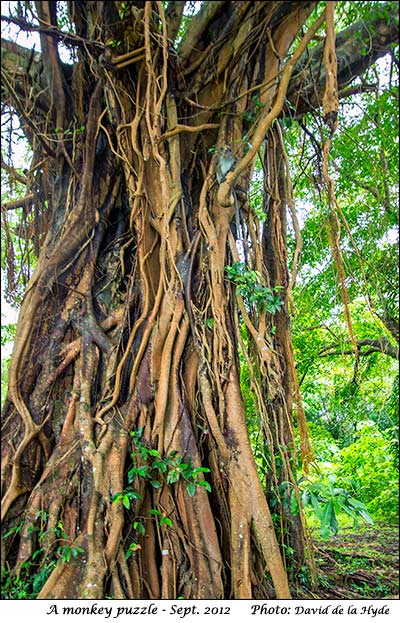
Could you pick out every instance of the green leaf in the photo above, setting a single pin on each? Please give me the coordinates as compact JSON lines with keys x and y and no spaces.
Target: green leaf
{"x":156,"y":484}
{"x":154,"y":511}
{"x":76,"y":551}
{"x":325,"y":531}
{"x":316,"y":505}
{"x":138,"y":432}
{"x":305,"y":498}
{"x":140,"y":471}
{"x":205,"y":484}
{"x":14,"y":530}
{"x":116,"y":497}
{"x":294,"y":505}
{"x":172,"y":476}
{"x":166,"y":521}
{"x":37,"y":553}
{"x":126,"y":501}
{"x":132,"y":495}
{"x":347,"y":509}
{"x":137,"y":525}
{"x":144,"y":452}
{"x":191,"y":488}
{"x":66,"y":555}
{"x":329,"y":517}
{"x":161,"y":466}
{"x":153,"y":452}
{"x":186,"y":470}
{"x":128,"y":554}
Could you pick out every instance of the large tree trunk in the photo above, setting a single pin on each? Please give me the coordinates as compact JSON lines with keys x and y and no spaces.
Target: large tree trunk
{"x":124,"y":381}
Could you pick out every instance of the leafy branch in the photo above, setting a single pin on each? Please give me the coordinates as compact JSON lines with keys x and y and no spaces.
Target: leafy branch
{"x":248,"y":286}
{"x":147,"y":463}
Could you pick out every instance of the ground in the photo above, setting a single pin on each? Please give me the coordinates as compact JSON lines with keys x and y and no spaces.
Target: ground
{"x":358,"y":564}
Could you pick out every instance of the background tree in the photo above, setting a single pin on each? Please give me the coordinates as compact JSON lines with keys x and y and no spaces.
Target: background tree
{"x":366,"y":180}
{"x":155,"y":275}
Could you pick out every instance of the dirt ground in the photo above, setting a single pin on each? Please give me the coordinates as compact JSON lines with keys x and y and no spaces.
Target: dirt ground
{"x":361,"y":564}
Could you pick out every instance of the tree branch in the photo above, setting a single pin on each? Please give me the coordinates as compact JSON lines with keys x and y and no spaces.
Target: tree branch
{"x":357,"y":88}
{"x":17,"y":59}
{"x":197,"y":27}
{"x":23,"y":202}
{"x":54,"y":74}
{"x":20,"y":110}
{"x":13,"y":172}
{"x":52,"y":31}
{"x":371,"y":189}
{"x":378,"y":345}
{"x":357,"y":47}
{"x":173,"y":16}
{"x":306,"y":85}
{"x":25,"y":66}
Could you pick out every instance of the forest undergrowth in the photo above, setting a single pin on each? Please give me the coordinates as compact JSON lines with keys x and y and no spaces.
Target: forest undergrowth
{"x":358,"y":563}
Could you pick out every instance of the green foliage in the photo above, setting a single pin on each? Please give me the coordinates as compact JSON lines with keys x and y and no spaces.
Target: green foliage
{"x":114,"y":43}
{"x":126,"y":496}
{"x":69,"y":133}
{"x":132,"y":548}
{"x":349,"y":12}
{"x":123,"y":9}
{"x":7,"y":336}
{"x":29,"y":582}
{"x":149,"y":465}
{"x":37,"y":568}
{"x":63,"y":19}
{"x":7,"y":333}
{"x":328,"y":501}
{"x":250,"y":114}
{"x":256,"y":191}
{"x":359,"y":479}
{"x":248,"y":286}
{"x":325,"y":446}
{"x":210,"y":323}
{"x":364,"y":164}
{"x":388,"y":420}
{"x":5,"y":363}
{"x":170,"y":469}
{"x":329,"y":393}
{"x":369,"y":468}
{"x":191,"y":8}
